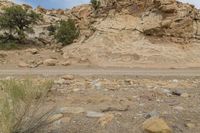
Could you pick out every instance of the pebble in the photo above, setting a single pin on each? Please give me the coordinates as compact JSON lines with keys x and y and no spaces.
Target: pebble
{"x":96,"y":84}
{"x":60,"y":81}
{"x":152,"y":114}
{"x":179,"y":108}
{"x":176,"y":92}
{"x":23,"y":64}
{"x":190,"y":125}
{"x":104,"y":120}
{"x":71,"y":110}
{"x":68,"y":77}
{"x":66,"y":63}
{"x":94,"y":114}
{"x":185,"y":95}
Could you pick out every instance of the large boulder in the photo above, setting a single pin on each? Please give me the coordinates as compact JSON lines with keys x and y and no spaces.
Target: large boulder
{"x":156,"y":125}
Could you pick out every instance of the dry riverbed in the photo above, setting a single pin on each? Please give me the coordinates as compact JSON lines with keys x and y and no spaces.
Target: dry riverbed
{"x":124,"y":105}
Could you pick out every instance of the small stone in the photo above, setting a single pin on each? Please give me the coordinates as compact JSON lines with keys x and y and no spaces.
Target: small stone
{"x":104,"y":120}
{"x":185,"y":95}
{"x":32,"y":51}
{"x":95,"y":114}
{"x":50,"y":62}
{"x":60,"y":81}
{"x":55,"y":117}
{"x":175,"y":81}
{"x":65,"y":120}
{"x":176,"y":92}
{"x":68,"y":77}
{"x":156,"y":125}
{"x":71,"y":110}
{"x":118,"y":108}
{"x":96,"y":84}
{"x":23,"y":64}
{"x":167,"y":92}
{"x":3,"y":55}
{"x":76,"y":90}
{"x":190,"y":125}
{"x":66,"y":63}
{"x":179,"y":108}
{"x":152,"y":114}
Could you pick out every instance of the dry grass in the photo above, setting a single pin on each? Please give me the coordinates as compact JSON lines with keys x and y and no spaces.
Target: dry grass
{"x":20,"y":106}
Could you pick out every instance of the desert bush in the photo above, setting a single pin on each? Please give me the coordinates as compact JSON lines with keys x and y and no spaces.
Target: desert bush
{"x":51,"y":29}
{"x":95,"y":4}
{"x":15,"y":22}
{"x":20,"y":106}
{"x":66,"y":32}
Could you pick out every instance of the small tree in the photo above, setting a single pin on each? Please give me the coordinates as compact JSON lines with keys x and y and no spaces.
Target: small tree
{"x":95,"y":4}
{"x":16,"y":22}
{"x":66,"y":31}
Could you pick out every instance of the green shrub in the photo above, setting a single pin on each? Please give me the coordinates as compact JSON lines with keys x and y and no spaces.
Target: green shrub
{"x":95,"y":4}
{"x":66,"y":32}
{"x":20,"y":106}
{"x":15,"y":22}
{"x":51,"y":29}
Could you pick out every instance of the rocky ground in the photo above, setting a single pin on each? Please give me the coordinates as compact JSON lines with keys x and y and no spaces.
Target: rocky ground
{"x":128,"y":34}
{"x":124,"y":104}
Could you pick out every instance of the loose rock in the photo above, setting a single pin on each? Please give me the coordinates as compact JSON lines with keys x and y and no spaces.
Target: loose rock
{"x":106,"y":119}
{"x":68,"y":77}
{"x":32,"y":51}
{"x":156,"y":125}
{"x":66,"y":63}
{"x":190,"y":125}
{"x":185,"y":95}
{"x":23,"y":64}
{"x":50,"y":62}
{"x":94,"y":114}
{"x":71,"y":110}
{"x":60,"y":81}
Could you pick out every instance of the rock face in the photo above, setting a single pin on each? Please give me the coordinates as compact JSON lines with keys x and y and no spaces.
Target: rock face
{"x":154,"y":33}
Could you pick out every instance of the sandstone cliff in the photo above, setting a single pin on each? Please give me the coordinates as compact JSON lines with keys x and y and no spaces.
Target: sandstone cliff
{"x":129,"y":33}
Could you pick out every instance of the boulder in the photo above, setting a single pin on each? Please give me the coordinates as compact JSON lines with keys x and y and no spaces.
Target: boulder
{"x":23,"y":64}
{"x":156,"y":125}
{"x":50,"y":62}
{"x":32,"y":51}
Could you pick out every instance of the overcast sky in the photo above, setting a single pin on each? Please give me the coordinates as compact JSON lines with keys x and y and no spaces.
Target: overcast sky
{"x":70,"y":3}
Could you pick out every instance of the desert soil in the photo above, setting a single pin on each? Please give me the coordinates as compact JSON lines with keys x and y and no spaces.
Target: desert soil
{"x":120,"y":101}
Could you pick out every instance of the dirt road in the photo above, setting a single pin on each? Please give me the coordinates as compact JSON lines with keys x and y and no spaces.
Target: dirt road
{"x":56,"y":71}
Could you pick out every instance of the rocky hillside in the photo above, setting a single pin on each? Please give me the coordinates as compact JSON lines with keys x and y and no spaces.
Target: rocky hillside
{"x":128,"y":33}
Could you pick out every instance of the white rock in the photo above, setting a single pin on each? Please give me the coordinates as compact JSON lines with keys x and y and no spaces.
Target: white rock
{"x":71,"y":110}
{"x":95,"y":114}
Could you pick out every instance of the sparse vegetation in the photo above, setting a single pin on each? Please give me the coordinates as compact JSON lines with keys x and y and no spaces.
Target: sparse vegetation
{"x":15,"y":22}
{"x":20,"y":106}
{"x":95,"y":4}
{"x":51,"y":29}
{"x":66,"y":32}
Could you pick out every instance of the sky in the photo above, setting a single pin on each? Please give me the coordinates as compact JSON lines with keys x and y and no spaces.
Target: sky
{"x":63,"y":4}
